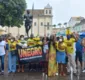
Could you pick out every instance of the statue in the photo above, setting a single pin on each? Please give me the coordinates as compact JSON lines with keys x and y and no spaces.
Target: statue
{"x":28,"y":22}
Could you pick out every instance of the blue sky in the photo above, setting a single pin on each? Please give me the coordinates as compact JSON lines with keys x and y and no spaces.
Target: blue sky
{"x":63,"y":10}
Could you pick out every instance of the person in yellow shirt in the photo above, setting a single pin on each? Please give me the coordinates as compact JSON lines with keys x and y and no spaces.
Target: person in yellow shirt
{"x":61,"y":56}
{"x":37,"y":41}
{"x":30,"y":42}
{"x":12,"y":55}
{"x":71,"y":39}
{"x":70,"y":43}
{"x":22,"y":43}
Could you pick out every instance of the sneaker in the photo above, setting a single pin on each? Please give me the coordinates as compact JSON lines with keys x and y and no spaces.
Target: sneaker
{"x":18,"y":70}
{"x":43,"y":74}
{"x":9,"y":72}
{"x":83,"y":71}
{"x":64,"y":74}
{"x":1,"y":73}
{"x":77,"y":67}
{"x":46,"y":77}
{"x":56,"y":74}
{"x":22,"y":70}
{"x":31,"y":69}
{"x":68,"y":73}
{"x":75,"y":74}
{"x":60,"y":74}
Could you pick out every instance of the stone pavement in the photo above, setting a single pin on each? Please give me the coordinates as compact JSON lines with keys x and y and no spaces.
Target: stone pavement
{"x":36,"y":76}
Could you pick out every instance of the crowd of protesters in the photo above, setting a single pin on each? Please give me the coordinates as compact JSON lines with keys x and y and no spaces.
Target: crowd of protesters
{"x":59,"y":53}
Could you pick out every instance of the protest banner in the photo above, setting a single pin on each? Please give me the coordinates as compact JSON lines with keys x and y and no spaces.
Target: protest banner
{"x":30,"y":54}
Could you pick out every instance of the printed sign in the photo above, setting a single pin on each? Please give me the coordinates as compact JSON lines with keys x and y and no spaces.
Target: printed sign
{"x":29,"y":54}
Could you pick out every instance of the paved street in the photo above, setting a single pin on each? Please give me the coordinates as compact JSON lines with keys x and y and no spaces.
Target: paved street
{"x":36,"y":76}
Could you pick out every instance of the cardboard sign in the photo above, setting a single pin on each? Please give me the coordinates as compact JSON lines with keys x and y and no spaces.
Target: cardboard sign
{"x":30,"y":54}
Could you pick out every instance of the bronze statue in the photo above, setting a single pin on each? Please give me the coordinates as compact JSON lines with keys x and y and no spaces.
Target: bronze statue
{"x":28,"y":22}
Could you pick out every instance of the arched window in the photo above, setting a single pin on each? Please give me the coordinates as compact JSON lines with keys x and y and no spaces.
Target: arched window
{"x":50,"y":12}
{"x":35,"y":24}
{"x":41,"y":23}
{"x":48,"y":25}
{"x":46,"y":11}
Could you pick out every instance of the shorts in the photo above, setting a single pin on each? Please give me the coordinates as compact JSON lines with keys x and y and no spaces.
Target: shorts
{"x":61,"y":57}
{"x":79,"y":56}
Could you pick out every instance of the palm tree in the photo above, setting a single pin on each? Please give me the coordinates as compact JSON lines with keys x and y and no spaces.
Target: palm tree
{"x":65,"y":24}
{"x":54,"y":25}
{"x":59,"y":24}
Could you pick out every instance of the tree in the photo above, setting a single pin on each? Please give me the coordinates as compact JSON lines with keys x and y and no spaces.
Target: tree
{"x":54,"y":25}
{"x":59,"y":24}
{"x":11,"y":12}
{"x":65,"y":24}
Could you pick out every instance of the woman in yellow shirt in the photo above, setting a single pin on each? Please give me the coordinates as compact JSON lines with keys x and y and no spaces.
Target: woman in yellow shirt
{"x":12,"y":56}
{"x":61,"y":56}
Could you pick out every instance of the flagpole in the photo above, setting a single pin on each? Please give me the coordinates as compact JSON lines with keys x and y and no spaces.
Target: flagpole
{"x":32,"y":19}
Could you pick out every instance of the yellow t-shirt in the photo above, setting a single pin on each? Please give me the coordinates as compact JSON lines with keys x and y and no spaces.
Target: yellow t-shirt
{"x":18,"y":41}
{"x":30,"y":42}
{"x":40,"y":43}
{"x":61,"y":46}
{"x":12,"y":45}
{"x":70,"y":47}
{"x":37,"y":41}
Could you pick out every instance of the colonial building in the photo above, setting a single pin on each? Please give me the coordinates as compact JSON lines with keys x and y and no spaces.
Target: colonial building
{"x":42,"y":23}
{"x":73,"y":21}
{"x":80,"y":27}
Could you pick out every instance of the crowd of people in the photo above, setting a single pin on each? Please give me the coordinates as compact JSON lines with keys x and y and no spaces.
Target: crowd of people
{"x":59,"y":53}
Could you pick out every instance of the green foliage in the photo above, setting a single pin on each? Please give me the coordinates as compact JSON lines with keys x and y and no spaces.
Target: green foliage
{"x":59,"y":24}
{"x":54,"y":25}
{"x":11,"y":12}
{"x":65,"y":23}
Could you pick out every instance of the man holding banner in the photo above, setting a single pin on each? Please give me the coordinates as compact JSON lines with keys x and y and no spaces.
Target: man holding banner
{"x":21,"y":44}
{"x":30,"y":53}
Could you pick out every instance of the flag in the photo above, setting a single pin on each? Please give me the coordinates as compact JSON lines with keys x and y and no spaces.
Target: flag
{"x":68,"y":31}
